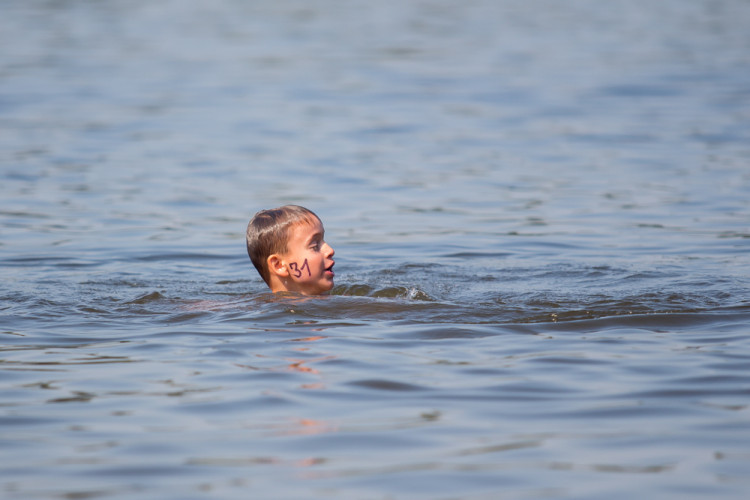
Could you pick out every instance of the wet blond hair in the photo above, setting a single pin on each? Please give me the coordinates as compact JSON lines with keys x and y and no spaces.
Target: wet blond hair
{"x":268,"y":233}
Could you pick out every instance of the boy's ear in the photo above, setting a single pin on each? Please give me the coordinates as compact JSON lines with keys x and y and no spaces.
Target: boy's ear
{"x":276,"y":265}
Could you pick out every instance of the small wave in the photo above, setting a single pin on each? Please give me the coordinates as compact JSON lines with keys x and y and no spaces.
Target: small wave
{"x":147,"y":298}
{"x":181,"y":256}
{"x":477,"y":255}
{"x":390,"y":292}
{"x":386,"y":385}
{"x":49,"y":261}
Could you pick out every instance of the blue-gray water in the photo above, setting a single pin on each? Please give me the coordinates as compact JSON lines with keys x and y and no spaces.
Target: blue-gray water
{"x":541,"y":216}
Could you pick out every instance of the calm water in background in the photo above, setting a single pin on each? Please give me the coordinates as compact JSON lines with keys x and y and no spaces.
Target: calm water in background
{"x":541,"y":213}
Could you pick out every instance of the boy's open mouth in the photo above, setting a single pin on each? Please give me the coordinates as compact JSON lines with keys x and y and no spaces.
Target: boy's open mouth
{"x":330,"y":268}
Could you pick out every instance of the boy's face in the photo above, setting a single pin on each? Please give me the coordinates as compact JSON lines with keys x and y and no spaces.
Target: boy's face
{"x":309,"y":259}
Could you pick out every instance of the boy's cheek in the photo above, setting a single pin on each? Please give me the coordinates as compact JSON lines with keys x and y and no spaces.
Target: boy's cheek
{"x":300,"y":271}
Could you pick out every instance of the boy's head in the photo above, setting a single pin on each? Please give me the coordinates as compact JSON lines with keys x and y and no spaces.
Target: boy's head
{"x":287,"y":247}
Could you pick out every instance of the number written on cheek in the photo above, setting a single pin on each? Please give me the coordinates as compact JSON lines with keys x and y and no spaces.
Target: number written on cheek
{"x":297,"y":270}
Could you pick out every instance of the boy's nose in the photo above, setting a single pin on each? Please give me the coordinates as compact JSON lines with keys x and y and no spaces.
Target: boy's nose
{"x":329,"y":251}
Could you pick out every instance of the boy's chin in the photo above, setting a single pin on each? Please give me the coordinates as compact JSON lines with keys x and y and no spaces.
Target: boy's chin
{"x":318,"y":290}
{"x":327,"y":286}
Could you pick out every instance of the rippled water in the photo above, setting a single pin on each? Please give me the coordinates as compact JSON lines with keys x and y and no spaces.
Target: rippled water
{"x":541,"y":216}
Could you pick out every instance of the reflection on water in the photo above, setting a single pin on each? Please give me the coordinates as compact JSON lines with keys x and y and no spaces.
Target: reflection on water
{"x":540,"y":213}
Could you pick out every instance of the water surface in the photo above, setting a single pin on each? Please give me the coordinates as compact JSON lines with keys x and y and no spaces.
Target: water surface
{"x":541,"y":216}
